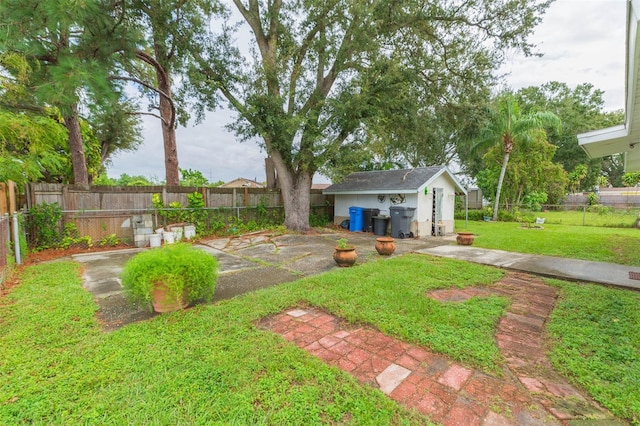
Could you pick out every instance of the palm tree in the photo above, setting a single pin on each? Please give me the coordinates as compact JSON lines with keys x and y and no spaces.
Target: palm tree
{"x":509,"y":127}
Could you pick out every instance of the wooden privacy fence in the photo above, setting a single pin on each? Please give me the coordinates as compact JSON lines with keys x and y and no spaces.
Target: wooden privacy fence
{"x":611,"y":197}
{"x":8,"y":198}
{"x":71,"y":197}
{"x":102,"y":211}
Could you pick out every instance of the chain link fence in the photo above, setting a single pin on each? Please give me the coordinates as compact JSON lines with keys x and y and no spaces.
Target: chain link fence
{"x":618,"y":216}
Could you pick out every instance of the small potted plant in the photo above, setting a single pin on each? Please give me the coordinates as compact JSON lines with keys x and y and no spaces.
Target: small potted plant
{"x":345,"y":254}
{"x":170,"y":277}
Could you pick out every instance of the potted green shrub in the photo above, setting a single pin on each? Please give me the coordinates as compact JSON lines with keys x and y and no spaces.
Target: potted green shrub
{"x":170,"y":277}
{"x":345,"y":254}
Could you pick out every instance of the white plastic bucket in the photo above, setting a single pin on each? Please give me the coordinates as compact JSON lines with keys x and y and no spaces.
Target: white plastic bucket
{"x":155,"y":240}
{"x":178,"y":232}
{"x":169,"y":237}
{"x":189,"y":232}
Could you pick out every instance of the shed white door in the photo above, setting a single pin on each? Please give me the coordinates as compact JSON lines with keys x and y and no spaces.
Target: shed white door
{"x":438,"y":195}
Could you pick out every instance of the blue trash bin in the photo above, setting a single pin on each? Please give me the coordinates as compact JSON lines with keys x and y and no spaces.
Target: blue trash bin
{"x":356,"y":219}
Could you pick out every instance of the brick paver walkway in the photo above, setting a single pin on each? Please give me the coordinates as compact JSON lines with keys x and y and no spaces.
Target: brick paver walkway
{"x":530,"y":393}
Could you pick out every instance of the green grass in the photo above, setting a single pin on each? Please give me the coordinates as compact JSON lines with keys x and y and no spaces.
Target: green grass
{"x":212,"y":365}
{"x":594,"y":216}
{"x":596,"y":334}
{"x":616,"y":245}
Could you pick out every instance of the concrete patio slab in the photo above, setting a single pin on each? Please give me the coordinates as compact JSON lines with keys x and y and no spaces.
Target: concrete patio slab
{"x":550,"y":266}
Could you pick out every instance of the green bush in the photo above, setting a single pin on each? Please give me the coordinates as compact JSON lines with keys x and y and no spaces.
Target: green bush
{"x":593,"y":199}
{"x":506,"y":216}
{"x":44,"y":222}
{"x":182,"y":268}
{"x":72,"y":237}
{"x":319,"y":220}
{"x":534,"y":201}
{"x":473,"y":214}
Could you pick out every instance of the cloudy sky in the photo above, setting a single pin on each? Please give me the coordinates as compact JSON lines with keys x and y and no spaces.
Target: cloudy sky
{"x":583,"y":41}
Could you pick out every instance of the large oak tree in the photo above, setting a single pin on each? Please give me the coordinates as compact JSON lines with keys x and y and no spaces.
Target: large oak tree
{"x":318,"y":71}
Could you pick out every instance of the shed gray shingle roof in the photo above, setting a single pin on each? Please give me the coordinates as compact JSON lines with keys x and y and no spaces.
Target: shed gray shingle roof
{"x":386,"y":180}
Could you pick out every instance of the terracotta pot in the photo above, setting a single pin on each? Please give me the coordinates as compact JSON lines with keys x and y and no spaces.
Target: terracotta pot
{"x":163,"y":301}
{"x":465,"y":238}
{"x":345,"y":257}
{"x":385,"y":246}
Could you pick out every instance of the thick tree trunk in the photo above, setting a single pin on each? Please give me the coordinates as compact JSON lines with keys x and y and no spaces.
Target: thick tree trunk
{"x":271,"y":173}
{"x":78,"y":161}
{"x":296,"y":195}
{"x":172,"y":174}
{"x":505,"y":160}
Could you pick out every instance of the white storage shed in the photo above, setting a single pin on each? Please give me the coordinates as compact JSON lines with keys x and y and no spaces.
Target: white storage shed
{"x":430,"y":191}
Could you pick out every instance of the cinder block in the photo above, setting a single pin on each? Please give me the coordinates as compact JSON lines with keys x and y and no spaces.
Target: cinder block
{"x":144,"y":231}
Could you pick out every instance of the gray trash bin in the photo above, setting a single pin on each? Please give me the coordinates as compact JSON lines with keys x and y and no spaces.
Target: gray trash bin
{"x":401,"y":221}
{"x":380,"y":225}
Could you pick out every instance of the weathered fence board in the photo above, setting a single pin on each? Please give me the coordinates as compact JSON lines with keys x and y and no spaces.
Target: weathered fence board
{"x":101,"y":211}
{"x":70,"y":197}
{"x":610,"y":197}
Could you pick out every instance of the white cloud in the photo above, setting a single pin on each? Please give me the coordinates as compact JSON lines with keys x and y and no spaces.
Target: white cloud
{"x":583,"y":41}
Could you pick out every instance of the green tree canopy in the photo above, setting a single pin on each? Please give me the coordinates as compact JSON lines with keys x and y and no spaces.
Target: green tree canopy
{"x":581,"y":109}
{"x":162,"y":37}
{"x":321,"y":71}
{"x":193,"y":178}
{"x":506,"y":129}
{"x":63,"y":59}
{"x":530,"y":172}
{"x":34,"y":147}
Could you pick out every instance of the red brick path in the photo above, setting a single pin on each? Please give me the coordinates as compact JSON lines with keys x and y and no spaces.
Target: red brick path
{"x":531,"y":393}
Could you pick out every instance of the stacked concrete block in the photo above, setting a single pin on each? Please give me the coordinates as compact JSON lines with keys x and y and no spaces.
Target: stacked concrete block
{"x":142,"y":229}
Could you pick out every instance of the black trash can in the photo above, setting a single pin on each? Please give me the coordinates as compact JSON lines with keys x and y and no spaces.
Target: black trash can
{"x":368,"y":215}
{"x":380,"y":225}
{"x":401,"y":221}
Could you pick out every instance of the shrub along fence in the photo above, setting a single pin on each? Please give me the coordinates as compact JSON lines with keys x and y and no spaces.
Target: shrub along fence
{"x":107,"y":215}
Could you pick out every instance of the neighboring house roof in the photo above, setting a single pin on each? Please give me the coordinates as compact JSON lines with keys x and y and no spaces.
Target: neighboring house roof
{"x":391,"y":181}
{"x":242,"y":183}
{"x":624,"y":138}
{"x":320,"y":185}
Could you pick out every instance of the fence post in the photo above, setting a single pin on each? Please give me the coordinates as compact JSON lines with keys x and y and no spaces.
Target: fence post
{"x":16,"y":238}
{"x":584,"y":215}
{"x":6,"y":217}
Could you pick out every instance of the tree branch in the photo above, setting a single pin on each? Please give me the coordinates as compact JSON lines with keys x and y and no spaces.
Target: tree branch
{"x":211,"y":74}
{"x":148,"y":113}
{"x":297,"y":66}
{"x":172,"y":121}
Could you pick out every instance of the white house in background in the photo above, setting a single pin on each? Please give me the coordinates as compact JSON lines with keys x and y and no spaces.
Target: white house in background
{"x":624,"y":138}
{"x":430,"y":190}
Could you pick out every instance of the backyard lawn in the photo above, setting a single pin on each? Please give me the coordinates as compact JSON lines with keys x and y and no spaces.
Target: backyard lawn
{"x":594,"y":216}
{"x":212,"y":365}
{"x":615,"y":245}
